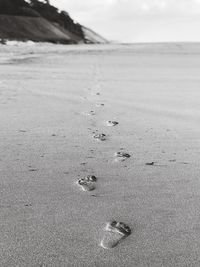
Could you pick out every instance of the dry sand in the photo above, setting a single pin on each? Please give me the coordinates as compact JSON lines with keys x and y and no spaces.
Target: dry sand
{"x":47,"y":144}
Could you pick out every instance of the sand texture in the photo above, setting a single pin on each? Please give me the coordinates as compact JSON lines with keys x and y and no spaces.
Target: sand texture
{"x":53,"y":100}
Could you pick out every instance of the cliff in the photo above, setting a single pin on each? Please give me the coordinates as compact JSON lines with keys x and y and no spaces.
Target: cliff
{"x":35,"y":29}
{"x":92,"y":37}
{"x":40,"y":21}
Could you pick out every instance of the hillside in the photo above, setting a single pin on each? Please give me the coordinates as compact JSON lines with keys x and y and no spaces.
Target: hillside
{"x":92,"y":37}
{"x":40,"y":21}
{"x":30,"y":28}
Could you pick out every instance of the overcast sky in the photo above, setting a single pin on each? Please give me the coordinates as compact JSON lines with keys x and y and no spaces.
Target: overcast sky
{"x":137,"y":20}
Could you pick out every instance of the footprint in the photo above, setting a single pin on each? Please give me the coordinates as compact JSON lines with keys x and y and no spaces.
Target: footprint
{"x":121,"y":156}
{"x":112,"y":123}
{"x":28,"y":205}
{"x":114,"y":233}
{"x":94,"y":94}
{"x":98,"y":105}
{"x":150,"y":163}
{"x":90,"y":113}
{"x":100,"y":137}
{"x":87,"y":183}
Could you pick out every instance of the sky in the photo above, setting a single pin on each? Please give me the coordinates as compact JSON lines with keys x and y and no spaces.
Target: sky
{"x":137,"y":20}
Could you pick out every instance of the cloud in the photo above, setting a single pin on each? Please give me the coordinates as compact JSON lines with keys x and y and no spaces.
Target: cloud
{"x":115,"y":18}
{"x":144,"y":6}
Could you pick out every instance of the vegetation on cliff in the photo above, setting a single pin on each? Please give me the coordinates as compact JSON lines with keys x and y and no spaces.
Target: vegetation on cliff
{"x":36,"y":8}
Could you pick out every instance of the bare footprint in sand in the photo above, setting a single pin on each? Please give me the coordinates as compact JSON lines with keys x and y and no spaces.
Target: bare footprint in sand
{"x":98,"y":105}
{"x":97,"y":93}
{"x":90,"y":113}
{"x":150,"y":163}
{"x":114,"y":233}
{"x":112,"y":123}
{"x":100,"y":137}
{"x":87,"y":183}
{"x":121,"y":156}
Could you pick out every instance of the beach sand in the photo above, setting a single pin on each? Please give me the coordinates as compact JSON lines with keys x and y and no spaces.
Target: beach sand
{"x":47,"y":143}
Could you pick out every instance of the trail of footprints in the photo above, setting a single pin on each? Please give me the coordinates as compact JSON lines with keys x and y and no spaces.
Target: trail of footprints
{"x":114,"y":231}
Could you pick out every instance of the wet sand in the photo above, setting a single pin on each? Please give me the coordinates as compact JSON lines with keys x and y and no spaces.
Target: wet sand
{"x":50,"y":111}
